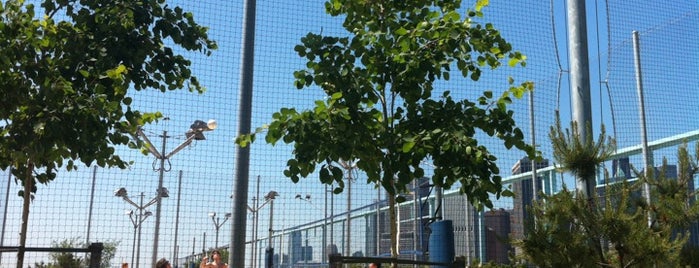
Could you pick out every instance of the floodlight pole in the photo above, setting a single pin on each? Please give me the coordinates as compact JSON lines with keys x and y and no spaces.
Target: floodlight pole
{"x":138,"y":219}
{"x":218,"y":223}
{"x":194,"y":133}
{"x":158,"y":205}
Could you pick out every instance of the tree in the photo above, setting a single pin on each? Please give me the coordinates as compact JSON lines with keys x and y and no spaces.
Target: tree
{"x":71,"y":259}
{"x":380,"y":113}
{"x":64,"y":78}
{"x":612,"y":230}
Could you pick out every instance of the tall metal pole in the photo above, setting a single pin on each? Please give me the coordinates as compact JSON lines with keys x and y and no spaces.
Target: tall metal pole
{"x":580,"y":79}
{"x":4,"y":213}
{"x":242,"y":165}
{"x":133,"y":243}
{"x":647,"y":155}
{"x":535,"y":190}
{"x":158,"y":204}
{"x":139,"y":220}
{"x":332,"y":219}
{"x":92,"y":200}
{"x":194,"y":246}
{"x":256,"y":220}
{"x":325,"y":227}
{"x":348,"y":251}
{"x":177,"y":218}
{"x":416,"y":218}
{"x":270,"y":247}
{"x":378,"y":221}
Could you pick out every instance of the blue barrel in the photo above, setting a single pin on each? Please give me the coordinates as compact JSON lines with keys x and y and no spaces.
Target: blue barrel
{"x":441,"y":241}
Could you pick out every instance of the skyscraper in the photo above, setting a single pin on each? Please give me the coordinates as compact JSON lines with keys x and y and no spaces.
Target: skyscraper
{"x":497,"y":224}
{"x":524,"y":193}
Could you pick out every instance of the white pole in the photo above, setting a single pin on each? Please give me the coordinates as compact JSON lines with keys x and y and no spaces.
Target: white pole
{"x":647,"y":155}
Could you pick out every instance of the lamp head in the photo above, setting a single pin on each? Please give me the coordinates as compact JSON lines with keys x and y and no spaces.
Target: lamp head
{"x":129,"y":212}
{"x":271,"y":195}
{"x":198,"y":127}
{"x":212,"y":214}
{"x":163,"y":192}
{"x":121,"y":192}
{"x":212,"y":124}
{"x":228,"y":215}
{"x":147,"y":213}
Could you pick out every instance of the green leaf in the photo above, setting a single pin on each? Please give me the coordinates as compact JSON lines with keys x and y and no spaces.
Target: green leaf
{"x":480,"y":4}
{"x":401,"y":31}
{"x":408,"y":145}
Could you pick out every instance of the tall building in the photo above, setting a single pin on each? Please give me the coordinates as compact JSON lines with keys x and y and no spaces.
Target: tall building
{"x":467,"y":226}
{"x":497,"y":223}
{"x":524,"y":193}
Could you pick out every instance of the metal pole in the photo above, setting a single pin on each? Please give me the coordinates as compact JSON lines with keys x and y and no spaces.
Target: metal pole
{"x":332,"y":219}
{"x":256,"y":219}
{"x":216,"y":223}
{"x":647,"y":155}
{"x":133,"y":243}
{"x":325,"y":226}
{"x":242,"y":166}
{"x":378,"y":221}
{"x":535,"y":190}
{"x":4,"y":213}
{"x":177,"y":217}
{"x":348,"y":251}
{"x":140,"y":220}
{"x":92,"y":200}
{"x":580,"y":79}
{"x":439,"y":211}
{"x":158,"y":204}
{"x":416,"y":227}
{"x":270,"y":250}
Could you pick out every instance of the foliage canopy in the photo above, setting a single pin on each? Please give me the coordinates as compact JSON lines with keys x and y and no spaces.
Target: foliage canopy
{"x":65,"y":74}
{"x":380,"y":114}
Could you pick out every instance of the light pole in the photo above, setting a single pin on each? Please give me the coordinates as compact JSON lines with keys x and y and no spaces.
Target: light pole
{"x":254,"y":211}
{"x":218,"y":223}
{"x":307,"y":198}
{"x":195,"y":132}
{"x":139,"y":217}
{"x":269,"y":254}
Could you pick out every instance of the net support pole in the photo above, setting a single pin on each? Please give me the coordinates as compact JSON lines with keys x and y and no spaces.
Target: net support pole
{"x":236,"y":258}
{"x":647,"y":155}
{"x":580,"y":80}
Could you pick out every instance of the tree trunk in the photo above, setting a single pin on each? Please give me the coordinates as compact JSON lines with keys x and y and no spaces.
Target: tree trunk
{"x":393,"y":220}
{"x":28,"y":185}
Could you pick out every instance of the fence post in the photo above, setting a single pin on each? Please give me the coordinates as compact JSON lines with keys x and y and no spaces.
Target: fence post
{"x":95,"y":254}
{"x":335,"y":260}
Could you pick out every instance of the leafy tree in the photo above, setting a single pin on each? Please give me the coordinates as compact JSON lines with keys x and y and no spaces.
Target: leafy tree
{"x":380,"y":113}
{"x":72,"y":259}
{"x":64,"y":77}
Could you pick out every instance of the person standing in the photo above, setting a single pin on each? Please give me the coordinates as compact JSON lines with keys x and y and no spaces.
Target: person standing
{"x":215,"y":263}
{"x":163,"y":263}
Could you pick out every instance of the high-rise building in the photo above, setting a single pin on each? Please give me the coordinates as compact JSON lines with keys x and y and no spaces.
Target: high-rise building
{"x":524,"y":193}
{"x":497,"y":223}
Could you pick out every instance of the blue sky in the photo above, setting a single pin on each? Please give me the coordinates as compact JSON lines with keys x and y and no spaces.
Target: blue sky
{"x":61,"y":208}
